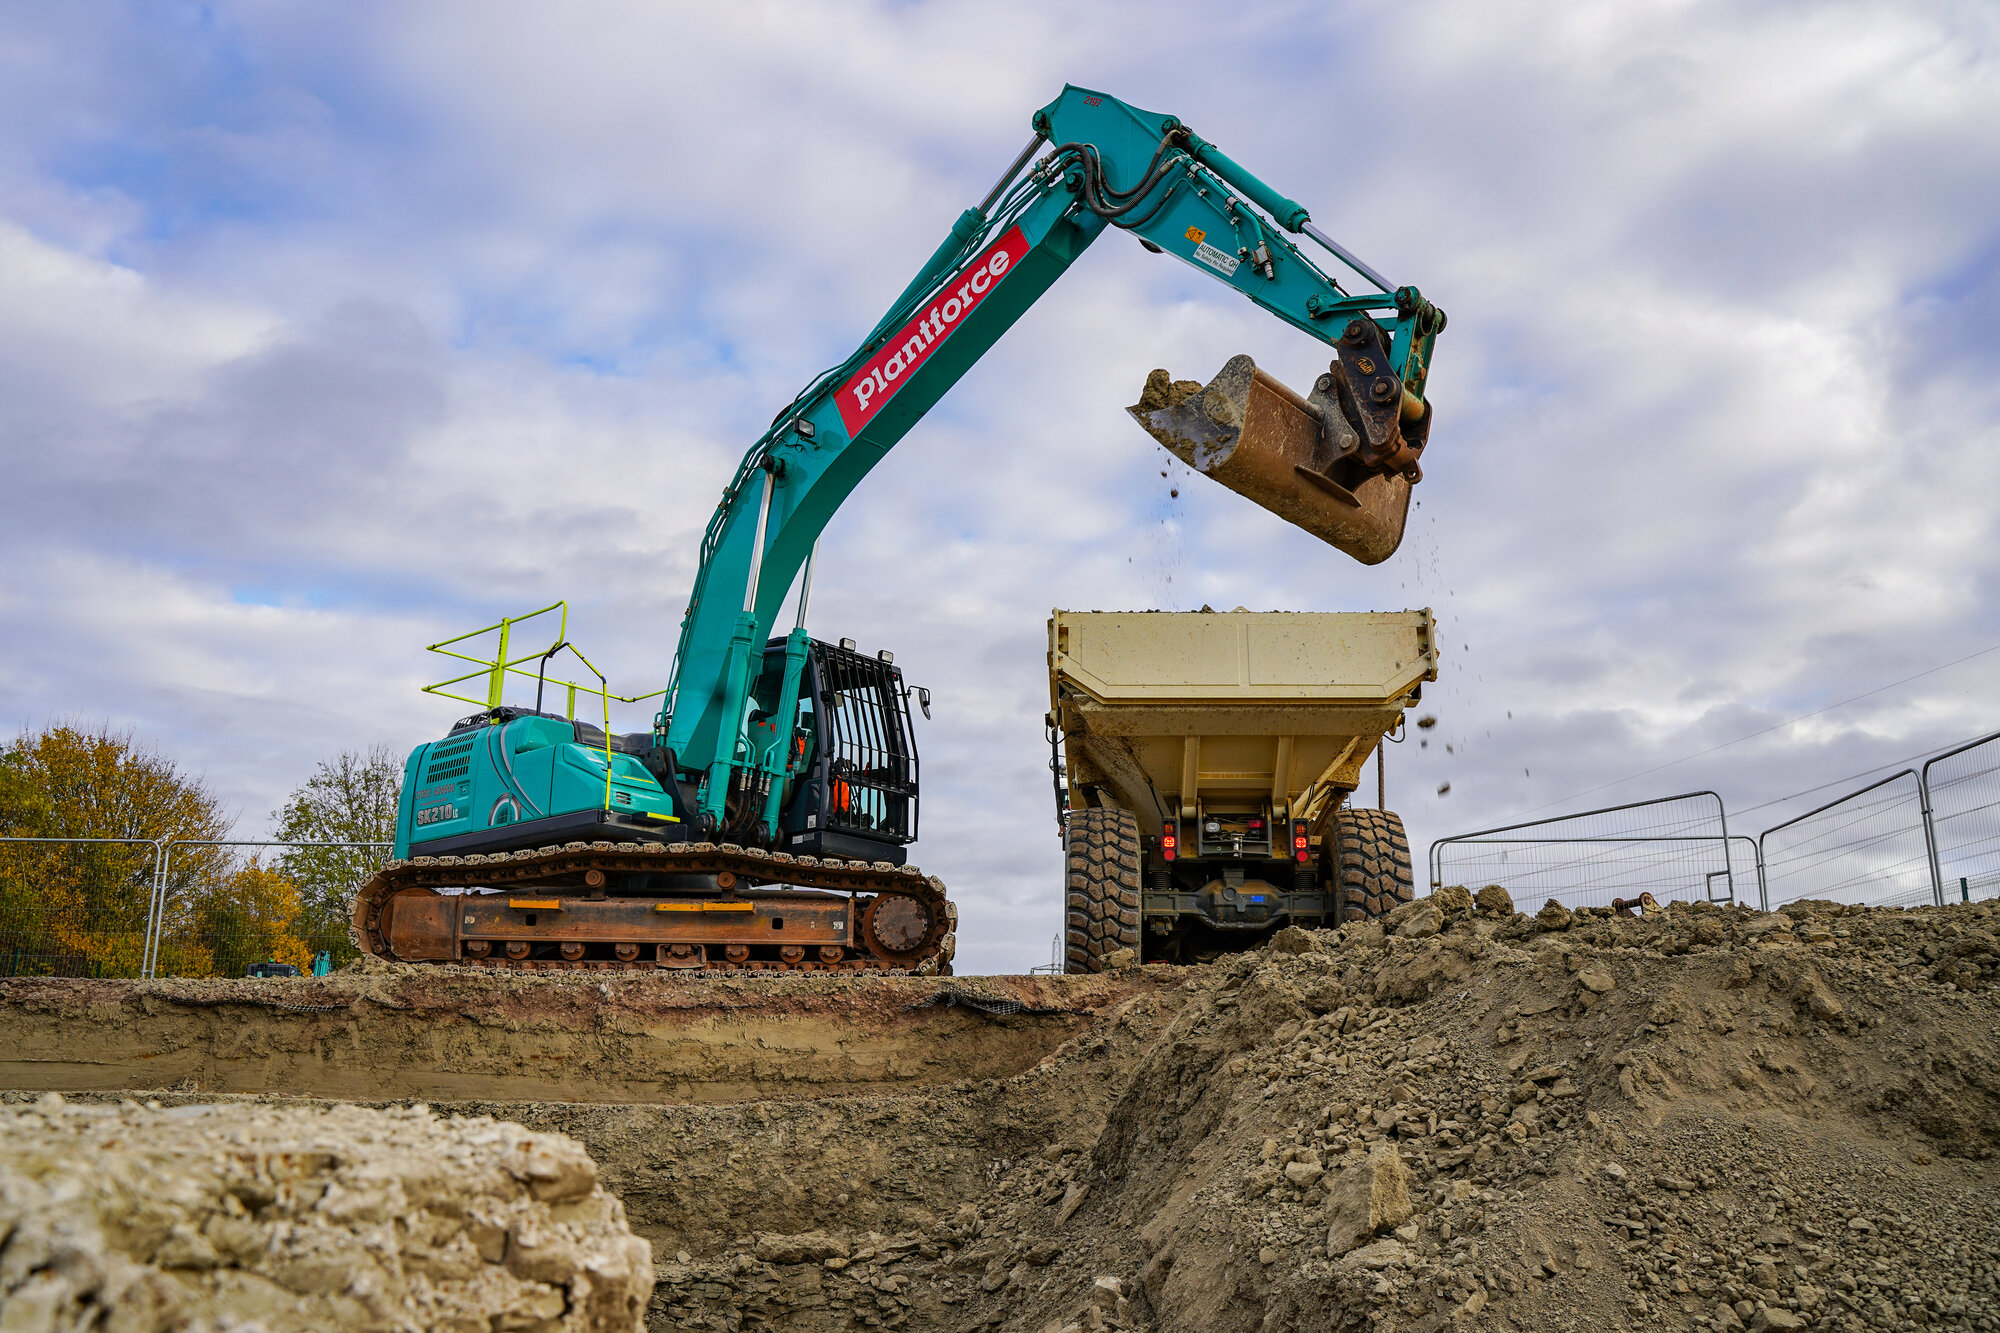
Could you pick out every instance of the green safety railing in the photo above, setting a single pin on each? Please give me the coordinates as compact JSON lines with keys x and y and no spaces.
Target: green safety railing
{"x":497,"y":668}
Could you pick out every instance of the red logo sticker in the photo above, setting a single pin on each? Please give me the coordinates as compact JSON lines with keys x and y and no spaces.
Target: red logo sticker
{"x":898,"y":358}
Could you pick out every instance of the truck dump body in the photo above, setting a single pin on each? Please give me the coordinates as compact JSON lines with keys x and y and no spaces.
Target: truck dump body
{"x":1231,"y":740}
{"x":1235,"y":707}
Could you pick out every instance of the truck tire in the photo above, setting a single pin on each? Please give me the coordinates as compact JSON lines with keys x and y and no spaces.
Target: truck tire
{"x":1102,"y":902}
{"x":1371,"y":863}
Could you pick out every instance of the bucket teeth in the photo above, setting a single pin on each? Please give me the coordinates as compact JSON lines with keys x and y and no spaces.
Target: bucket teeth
{"x":1300,"y":458}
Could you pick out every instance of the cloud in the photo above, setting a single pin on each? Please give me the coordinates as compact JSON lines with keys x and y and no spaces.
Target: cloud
{"x":327,"y":331}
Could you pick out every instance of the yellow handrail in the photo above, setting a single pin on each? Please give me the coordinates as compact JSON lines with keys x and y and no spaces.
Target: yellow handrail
{"x":496,"y":671}
{"x":500,"y":665}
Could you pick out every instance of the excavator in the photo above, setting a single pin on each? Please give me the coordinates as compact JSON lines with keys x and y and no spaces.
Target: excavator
{"x":763,"y":821}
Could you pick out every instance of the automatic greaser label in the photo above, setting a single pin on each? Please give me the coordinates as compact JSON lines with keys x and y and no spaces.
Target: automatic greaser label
{"x":1225,"y":264}
{"x":897,"y":359}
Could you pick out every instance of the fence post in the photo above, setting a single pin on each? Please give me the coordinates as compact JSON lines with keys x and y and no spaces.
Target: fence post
{"x":1728,"y":866}
{"x":156,"y":926}
{"x":1930,"y":831}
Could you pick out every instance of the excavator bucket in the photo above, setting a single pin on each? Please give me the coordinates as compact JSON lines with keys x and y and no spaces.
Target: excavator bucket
{"x":1335,"y":464}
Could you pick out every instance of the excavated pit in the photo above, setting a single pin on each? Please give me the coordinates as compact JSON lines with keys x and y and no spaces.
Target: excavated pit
{"x":1705,"y":1119}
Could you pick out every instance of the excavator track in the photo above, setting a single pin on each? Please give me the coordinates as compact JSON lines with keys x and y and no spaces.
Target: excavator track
{"x":472,"y":910}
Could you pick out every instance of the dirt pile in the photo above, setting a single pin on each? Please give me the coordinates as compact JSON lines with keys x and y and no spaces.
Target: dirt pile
{"x":1474,"y":1118}
{"x":1702,"y":1119}
{"x":242,"y":1217}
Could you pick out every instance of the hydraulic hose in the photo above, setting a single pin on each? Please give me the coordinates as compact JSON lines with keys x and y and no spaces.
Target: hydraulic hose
{"x":1099,"y":195}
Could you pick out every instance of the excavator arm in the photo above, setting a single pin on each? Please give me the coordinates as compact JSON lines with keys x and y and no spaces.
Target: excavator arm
{"x":1338,"y":463}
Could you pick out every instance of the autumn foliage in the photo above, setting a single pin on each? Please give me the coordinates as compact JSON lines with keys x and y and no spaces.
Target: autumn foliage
{"x":80,"y":909}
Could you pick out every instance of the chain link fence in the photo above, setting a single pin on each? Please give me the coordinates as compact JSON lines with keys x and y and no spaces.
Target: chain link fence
{"x":1924,"y":836}
{"x":136,"y":907}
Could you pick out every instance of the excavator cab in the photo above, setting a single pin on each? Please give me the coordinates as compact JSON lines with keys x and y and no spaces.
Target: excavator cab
{"x":853,"y":788}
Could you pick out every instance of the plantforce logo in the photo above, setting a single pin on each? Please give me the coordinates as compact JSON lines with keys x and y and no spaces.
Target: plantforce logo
{"x":877,"y":381}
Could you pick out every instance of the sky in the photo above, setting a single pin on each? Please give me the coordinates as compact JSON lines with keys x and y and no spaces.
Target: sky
{"x":329,"y":330}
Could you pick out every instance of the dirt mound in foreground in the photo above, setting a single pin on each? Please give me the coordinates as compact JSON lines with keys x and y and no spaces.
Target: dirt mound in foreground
{"x":1703,"y":1119}
{"x":244,"y":1217}
{"x":1708,"y":1118}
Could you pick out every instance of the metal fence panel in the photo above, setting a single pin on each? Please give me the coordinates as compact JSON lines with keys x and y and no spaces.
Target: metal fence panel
{"x":1671,"y":847}
{"x":75,"y":907}
{"x":1962,"y":789}
{"x":254,"y":902}
{"x":1868,"y":847}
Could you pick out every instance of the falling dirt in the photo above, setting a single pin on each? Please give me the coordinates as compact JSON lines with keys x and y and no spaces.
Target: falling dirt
{"x":1476,"y":1118}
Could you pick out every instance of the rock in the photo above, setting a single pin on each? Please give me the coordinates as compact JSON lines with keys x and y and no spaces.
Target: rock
{"x":1394,"y":919}
{"x":1454,"y":901}
{"x":1293,"y":940}
{"x":1739,"y":974}
{"x":1367,"y":1197}
{"x":1118,"y":960}
{"x":1775,"y":1320}
{"x":352,"y":1215}
{"x":1821,"y":1001}
{"x":1596,"y":978}
{"x":807,"y":1247}
{"x":1777,"y":923}
{"x":1553,"y":916}
{"x":1376,"y":1256}
{"x":1426,"y":921}
{"x":1072,"y":1200}
{"x":1304,"y":1172}
{"x":1495,"y":901}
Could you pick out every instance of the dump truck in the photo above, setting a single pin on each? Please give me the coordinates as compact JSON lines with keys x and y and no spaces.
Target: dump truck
{"x":1206,"y":764}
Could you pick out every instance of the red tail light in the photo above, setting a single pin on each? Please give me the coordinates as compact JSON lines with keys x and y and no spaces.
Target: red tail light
{"x":1170,"y":844}
{"x":1300,"y":850}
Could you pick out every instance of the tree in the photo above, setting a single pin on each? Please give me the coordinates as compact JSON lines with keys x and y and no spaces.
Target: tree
{"x":349,"y":798}
{"x":247,"y":917}
{"x":83,"y":907}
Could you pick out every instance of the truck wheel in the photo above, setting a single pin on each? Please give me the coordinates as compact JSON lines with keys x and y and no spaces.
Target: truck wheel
{"x":1371,"y":863}
{"x":1103,"y":889}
